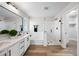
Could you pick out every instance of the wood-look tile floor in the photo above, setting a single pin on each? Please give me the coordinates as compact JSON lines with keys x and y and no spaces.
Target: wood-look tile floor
{"x":53,"y":50}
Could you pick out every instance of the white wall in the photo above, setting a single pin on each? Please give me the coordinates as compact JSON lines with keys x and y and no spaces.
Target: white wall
{"x":45,"y":25}
{"x":48,"y":25}
{"x":37,"y":37}
{"x":37,"y":21}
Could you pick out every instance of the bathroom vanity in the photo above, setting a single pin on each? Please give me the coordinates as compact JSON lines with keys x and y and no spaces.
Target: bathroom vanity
{"x":13,"y":19}
{"x":14,"y":47}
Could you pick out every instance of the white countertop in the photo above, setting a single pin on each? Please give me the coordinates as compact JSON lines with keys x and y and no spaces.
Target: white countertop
{"x":5,"y":44}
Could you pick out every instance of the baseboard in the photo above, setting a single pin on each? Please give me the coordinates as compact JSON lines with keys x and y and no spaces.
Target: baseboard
{"x":36,"y":42}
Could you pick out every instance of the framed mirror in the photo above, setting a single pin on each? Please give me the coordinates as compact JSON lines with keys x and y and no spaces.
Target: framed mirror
{"x":11,"y":19}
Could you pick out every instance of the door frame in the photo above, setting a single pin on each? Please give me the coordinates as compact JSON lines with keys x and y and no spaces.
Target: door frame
{"x":66,"y":12}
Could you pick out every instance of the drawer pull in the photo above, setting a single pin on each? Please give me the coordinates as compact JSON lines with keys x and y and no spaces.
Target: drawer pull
{"x":22,"y":47}
{"x":22,"y":42}
{"x":9,"y":52}
{"x":5,"y":54}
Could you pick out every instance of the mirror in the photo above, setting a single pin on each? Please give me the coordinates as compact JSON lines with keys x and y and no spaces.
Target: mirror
{"x":10,"y":20}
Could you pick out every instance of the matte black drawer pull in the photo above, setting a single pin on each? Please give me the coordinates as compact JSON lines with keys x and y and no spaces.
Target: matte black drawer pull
{"x":22,"y":42}
{"x":22,"y":47}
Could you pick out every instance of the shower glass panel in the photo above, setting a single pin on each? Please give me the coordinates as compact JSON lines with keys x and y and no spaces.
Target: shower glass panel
{"x":52,"y":29}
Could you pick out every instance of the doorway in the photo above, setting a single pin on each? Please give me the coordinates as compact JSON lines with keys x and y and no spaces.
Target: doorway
{"x":69,"y":30}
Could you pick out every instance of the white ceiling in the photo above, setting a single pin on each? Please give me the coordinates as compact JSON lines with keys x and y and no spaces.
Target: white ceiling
{"x":36,"y":9}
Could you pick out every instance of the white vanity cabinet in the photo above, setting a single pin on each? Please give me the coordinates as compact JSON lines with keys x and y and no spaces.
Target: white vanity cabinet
{"x":4,"y":53}
{"x":18,"y":48}
{"x":22,"y":47}
{"x":14,"y":50}
{"x":27,"y":42}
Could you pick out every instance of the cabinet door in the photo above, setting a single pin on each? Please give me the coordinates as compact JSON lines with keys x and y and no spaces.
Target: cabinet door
{"x":22,"y":46}
{"x":28,"y":42}
{"x":25,"y":43}
{"x":14,"y":50}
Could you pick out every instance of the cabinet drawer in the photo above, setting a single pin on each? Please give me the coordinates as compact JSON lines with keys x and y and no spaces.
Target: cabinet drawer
{"x":22,"y":42}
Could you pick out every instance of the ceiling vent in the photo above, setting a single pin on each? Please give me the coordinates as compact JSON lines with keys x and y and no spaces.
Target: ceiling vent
{"x":46,"y":8}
